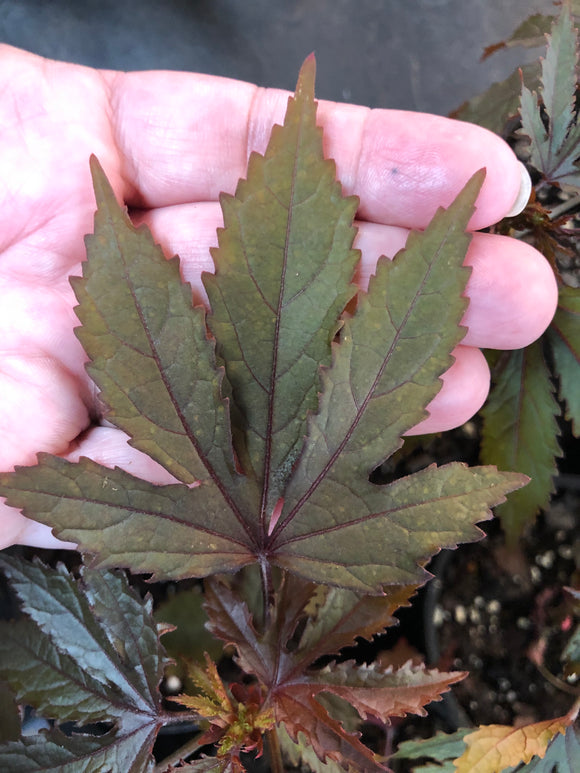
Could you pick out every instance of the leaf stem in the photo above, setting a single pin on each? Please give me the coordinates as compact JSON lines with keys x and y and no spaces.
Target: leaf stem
{"x":274,"y":751}
{"x":188,"y":748}
{"x":267,"y":592}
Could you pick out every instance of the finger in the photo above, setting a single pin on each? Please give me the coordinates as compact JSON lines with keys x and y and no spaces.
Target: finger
{"x":196,"y":132}
{"x":512,"y":289}
{"x":41,"y":409}
{"x":110,"y":447}
{"x":465,"y":388}
{"x":167,"y":138}
{"x":15,"y":529}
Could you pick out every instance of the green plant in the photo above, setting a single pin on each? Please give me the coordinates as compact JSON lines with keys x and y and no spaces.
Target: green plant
{"x":521,"y":427}
{"x":271,"y":413}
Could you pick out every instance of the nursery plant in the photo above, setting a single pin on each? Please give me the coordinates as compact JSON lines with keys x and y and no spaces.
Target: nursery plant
{"x":272,"y":410}
{"x":536,"y":110}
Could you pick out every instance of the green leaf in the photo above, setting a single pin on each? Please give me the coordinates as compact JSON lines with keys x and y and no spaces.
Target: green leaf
{"x":555,"y":152}
{"x":501,"y":101}
{"x":520,"y":432}
{"x":9,"y":716}
{"x":87,"y":653}
{"x":190,"y":639}
{"x":564,"y":336}
{"x":283,"y":271}
{"x":441,"y":747}
{"x":278,"y":289}
{"x":58,"y":753}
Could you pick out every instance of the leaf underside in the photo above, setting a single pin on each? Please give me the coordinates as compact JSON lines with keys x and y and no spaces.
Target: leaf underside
{"x":272,"y":412}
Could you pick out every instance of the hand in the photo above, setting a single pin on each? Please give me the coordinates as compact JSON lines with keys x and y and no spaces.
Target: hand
{"x":170,"y":142}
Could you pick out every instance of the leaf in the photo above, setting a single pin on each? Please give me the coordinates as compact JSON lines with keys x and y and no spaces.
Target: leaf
{"x":341,"y":616}
{"x":283,"y":270}
{"x":58,"y":753}
{"x":501,"y":101}
{"x":440,"y":747}
{"x":9,"y":716}
{"x":301,"y":753}
{"x":283,"y":664}
{"x":530,"y":33}
{"x":491,"y":748}
{"x":190,"y":638}
{"x":564,"y":336}
{"x":520,"y":432}
{"x":278,"y":290}
{"x":87,"y":654}
{"x":562,"y":755}
{"x":555,"y":152}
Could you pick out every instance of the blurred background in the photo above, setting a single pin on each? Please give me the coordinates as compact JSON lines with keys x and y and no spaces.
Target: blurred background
{"x":408,"y":54}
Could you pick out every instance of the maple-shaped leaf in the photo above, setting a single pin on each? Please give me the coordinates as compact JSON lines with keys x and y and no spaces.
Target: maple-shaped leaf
{"x":520,"y":432}
{"x":564,"y":336}
{"x":282,"y":661}
{"x":492,"y":748}
{"x":311,"y":418}
{"x":555,"y":151}
{"x":85,"y":653}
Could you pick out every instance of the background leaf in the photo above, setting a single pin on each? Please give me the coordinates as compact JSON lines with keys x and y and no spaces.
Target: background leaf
{"x":562,"y":755}
{"x":492,"y":748}
{"x":520,"y":433}
{"x":442,"y":747}
{"x":87,"y":654}
{"x":555,"y":152}
{"x":564,"y":336}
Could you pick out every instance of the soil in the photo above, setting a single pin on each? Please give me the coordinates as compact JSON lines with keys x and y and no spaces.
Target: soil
{"x":505,"y":617}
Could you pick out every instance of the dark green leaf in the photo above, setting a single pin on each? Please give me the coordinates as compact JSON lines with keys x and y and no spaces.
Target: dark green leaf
{"x":520,"y":432}
{"x":441,"y":747}
{"x":501,"y":101}
{"x":89,"y":653}
{"x":564,"y":334}
{"x":555,"y":152}
{"x":58,"y":753}
{"x":279,"y":288}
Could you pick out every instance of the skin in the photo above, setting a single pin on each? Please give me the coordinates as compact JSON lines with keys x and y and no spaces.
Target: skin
{"x":169,"y":143}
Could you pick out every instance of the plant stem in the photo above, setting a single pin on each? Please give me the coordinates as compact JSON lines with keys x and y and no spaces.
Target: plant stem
{"x":267,"y":592}
{"x":181,"y":754}
{"x":274,"y":751}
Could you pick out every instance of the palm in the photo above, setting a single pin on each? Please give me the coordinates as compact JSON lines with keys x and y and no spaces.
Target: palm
{"x":170,"y":142}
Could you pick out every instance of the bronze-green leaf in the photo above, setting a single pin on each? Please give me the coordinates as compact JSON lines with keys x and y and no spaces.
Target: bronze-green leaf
{"x":283,"y":276}
{"x":520,"y":432}
{"x":313,"y":416}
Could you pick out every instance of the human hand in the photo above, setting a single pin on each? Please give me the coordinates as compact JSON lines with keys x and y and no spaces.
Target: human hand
{"x":170,"y":142}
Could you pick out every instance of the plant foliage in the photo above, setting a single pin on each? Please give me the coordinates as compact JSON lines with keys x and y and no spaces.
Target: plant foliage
{"x":521,"y":416}
{"x":271,"y":411}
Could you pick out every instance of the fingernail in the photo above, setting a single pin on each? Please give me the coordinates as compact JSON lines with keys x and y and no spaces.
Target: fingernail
{"x":523,"y":194}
